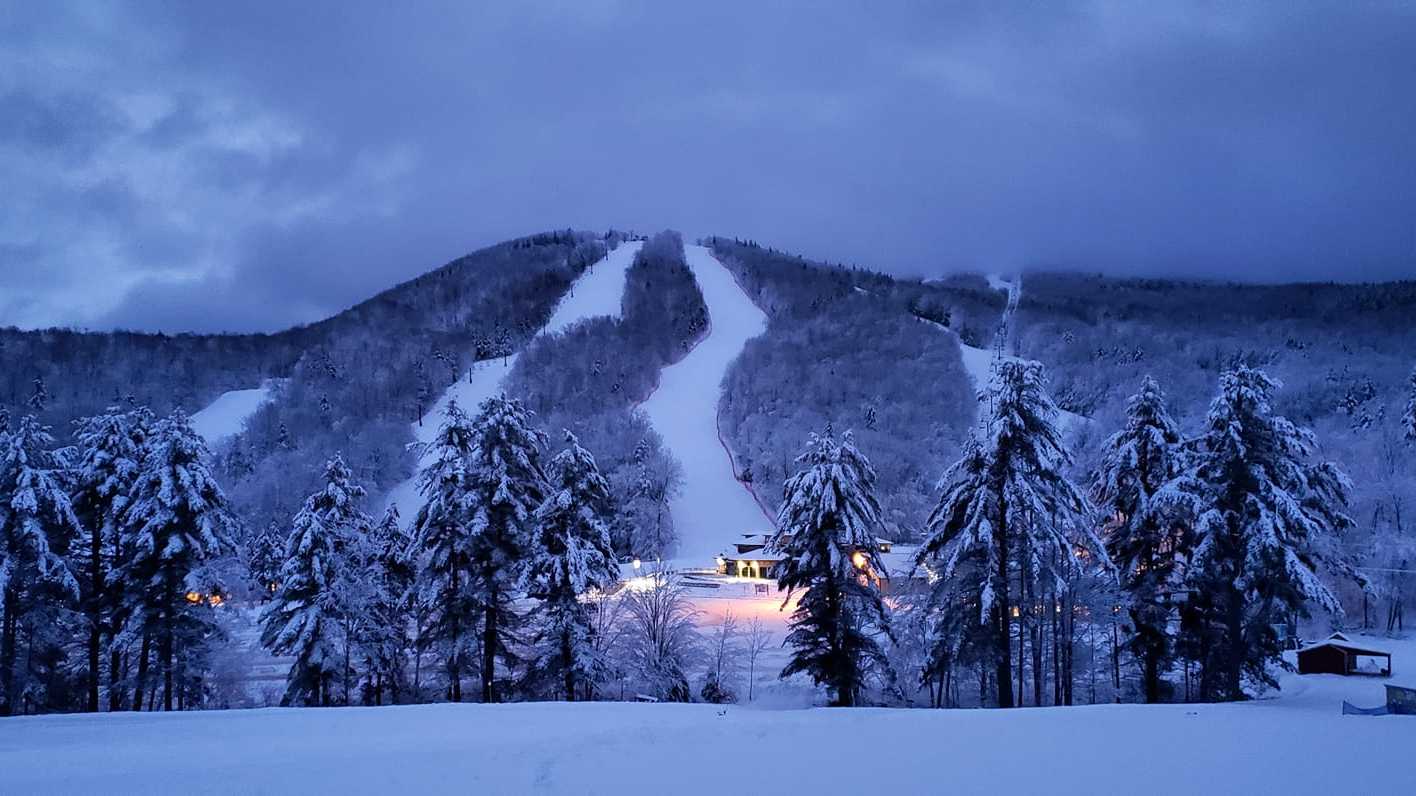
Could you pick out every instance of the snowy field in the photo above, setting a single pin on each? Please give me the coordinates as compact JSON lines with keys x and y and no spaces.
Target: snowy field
{"x":226,"y":416}
{"x":1294,"y":744}
{"x":714,"y":507}
{"x":597,"y":292}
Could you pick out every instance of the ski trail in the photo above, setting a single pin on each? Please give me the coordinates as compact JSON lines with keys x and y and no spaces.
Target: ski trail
{"x":713,"y":507}
{"x":227,"y":415}
{"x":978,"y":362}
{"x":596,"y":292}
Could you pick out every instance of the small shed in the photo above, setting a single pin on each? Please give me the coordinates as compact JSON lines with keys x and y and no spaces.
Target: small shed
{"x":1337,"y":655}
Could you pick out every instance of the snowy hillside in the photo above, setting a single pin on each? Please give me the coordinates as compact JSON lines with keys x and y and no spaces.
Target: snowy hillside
{"x":1295,"y":744}
{"x":979,"y":361}
{"x":597,"y":292}
{"x":227,"y":415}
{"x":714,"y":507}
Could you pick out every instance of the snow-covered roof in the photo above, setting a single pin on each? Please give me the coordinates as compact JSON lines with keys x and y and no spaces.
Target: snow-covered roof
{"x":1340,"y":641}
{"x":755,"y":555}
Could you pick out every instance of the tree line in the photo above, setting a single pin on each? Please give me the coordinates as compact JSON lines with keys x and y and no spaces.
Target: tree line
{"x":1206,"y":546}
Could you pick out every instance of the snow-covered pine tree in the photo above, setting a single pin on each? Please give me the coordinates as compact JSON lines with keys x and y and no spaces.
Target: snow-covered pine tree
{"x":107,"y":456}
{"x":508,"y":484}
{"x":177,"y":520}
{"x":1265,"y":520}
{"x":36,"y":519}
{"x":265,"y":556}
{"x":1145,"y":539}
{"x":386,"y":642}
{"x":39,"y":396}
{"x":442,"y":542}
{"x":1408,"y":419}
{"x":305,"y":617}
{"x":570,"y":556}
{"x":1008,"y":514}
{"x":827,"y":531}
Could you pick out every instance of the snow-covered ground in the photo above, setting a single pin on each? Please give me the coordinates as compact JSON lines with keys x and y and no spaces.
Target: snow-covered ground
{"x":226,"y":416}
{"x":1295,"y":744}
{"x":714,"y":507}
{"x":597,"y":292}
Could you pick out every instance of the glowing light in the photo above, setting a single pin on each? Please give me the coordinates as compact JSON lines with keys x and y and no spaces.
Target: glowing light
{"x":637,"y":564}
{"x":194,"y":597}
{"x":859,"y":560}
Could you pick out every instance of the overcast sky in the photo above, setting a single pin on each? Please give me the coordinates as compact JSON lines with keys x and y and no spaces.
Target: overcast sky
{"x":244,"y":166}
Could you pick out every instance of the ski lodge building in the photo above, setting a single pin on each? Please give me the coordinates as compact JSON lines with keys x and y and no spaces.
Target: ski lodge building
{"x":750,"y":558}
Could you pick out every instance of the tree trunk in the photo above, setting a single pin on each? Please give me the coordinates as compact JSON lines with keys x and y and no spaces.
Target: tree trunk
{"x":489,"y":644}
{"x":1152,"y":676}
{"x":1234,"y":670}
{"x":1036,"y":641}
{"x":140,"y":688}
{"x":8,"y":634}
{"x":1002,"y":609}
{"x":454,"y":661}
{"x":568,"y":662}
{"x":164,"y":654}
{"x":95,"y":612}
{"x":1115,"y":659}
{"x":116,"y":665}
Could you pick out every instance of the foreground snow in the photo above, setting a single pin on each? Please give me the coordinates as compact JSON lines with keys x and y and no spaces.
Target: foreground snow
{"x":227,"y":415}
{"x":1294,"y":744}
{"x":714,"y":506}
{"x":597,"y":292}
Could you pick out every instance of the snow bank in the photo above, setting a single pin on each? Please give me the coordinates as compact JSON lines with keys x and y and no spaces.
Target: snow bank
{"x":227,"y":415}
{"x":596,"y":292}
{"x":714,"y":507}
{"x":1296,"y":744}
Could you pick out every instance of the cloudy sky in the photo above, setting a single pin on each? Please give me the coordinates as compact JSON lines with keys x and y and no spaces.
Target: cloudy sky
{"x":244,"y":166}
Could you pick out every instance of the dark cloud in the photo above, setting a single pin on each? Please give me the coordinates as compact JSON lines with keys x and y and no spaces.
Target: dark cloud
{"x":224,"y":166}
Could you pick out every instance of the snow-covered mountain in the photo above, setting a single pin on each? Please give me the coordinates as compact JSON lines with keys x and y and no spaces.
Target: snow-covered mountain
{"x":696,"y":382}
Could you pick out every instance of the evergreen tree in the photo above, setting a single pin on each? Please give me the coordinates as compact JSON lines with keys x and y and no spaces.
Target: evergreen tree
{"x":1144,"y":538}
{"x":306,"y":616}
{"x":108,"y":455}
{"x":507,"y":484}
{"x":386,"y":643}
{"x":1266,"y":519}
{"x":39,"y":396}
{"x":827,"y":530}
{"x":571,"y":556}
{"x":443,"y":544}
{"x":1005,"y":515}
{"x":36,"y":523}
{"x":265,"y":557}
{"x":178,"y":520}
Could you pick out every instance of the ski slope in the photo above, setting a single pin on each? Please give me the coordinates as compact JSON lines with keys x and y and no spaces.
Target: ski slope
{"x":1297,"y":743}
{"x":978,"y":362}
{"x":227,"y":415}
{"x":714,"y":507}
{"x":598,"y":291}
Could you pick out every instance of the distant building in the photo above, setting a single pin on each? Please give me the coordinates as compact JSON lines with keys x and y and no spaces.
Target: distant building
{"x":1337,"y":655}
{"x":750,"y":558}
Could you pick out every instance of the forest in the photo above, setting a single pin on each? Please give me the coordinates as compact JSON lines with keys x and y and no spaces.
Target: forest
{"x":1117,"y":559}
